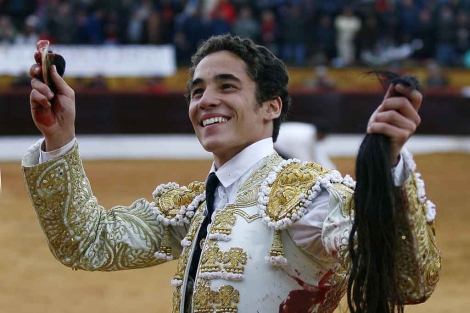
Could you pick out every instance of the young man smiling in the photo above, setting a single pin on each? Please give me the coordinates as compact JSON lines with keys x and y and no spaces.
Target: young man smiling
{"x":262,"y":234}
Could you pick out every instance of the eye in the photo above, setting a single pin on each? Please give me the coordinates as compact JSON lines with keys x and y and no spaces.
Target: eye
{"x":197,"y":92}
{"x":228,"y":86}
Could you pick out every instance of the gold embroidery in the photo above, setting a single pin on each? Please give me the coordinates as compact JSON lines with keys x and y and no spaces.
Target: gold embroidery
{"x":81,"y":233}
{"x":290,"y":182}
{"x":184,"y":259}
{"x":169,"y":203}
{"x":210,"y":255}
{"x":175,"y":205}
{"x":277,"y":248}
{"x":338,"y":285}
{"x":182,"y":263}
{"x":217,"y":264}
{"x":346,"y":195}
{"x":227,"y":295}
{"x":204,"y":297}
{"x":248,"y":218}
{"x":419,"y":266}
{"x":225,"y":299}
{"x":248,"y":193}
{"x":176,"y":299}
{"x":165,"y":245}
{"x":223,"y":223}
{"x":195,"y":224}
{"x":233,"y":258}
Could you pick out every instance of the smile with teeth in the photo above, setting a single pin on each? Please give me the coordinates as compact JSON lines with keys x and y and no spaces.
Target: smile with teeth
{"x":214,"y":120}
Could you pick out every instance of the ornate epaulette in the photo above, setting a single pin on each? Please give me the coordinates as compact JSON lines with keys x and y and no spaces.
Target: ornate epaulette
{"x":175,"y":206}
{"x":286,"y":194}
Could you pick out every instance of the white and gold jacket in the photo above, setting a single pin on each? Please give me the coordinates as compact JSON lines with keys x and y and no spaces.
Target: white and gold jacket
{"x":249,"y":261}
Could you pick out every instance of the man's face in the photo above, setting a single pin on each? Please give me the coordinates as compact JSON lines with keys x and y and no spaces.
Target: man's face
{"x":223,"y":108}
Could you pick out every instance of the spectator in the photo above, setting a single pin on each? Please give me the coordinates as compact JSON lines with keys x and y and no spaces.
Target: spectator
{"x":82,"y":35}
{"x":62,"y":24}
{"x":408,"y":16}
{"x":167,"y":20}
{"x":111,"y":28}
{"x":153,"y":28}
{"x":194,"y":28}
{"x":269,"y":31}
{"x":435,"y":78}
{"x":19,"y":10}
{"x":425,"y":31}
{"x":220,"y":25}
{"x":8,"y":32}
{"x":463,"y":33}
{"x":347,"y":25}
{"x":135,"y":27}
{"x":30,"y":35}
{"x":246,"y":26}
{"x":155,"y":85}
{"x":320,"y":80}
{"x":95,"y":25}
{"x":325,"y":38}
{"x":293,"y":30}
{"x":183,"y":49}
{"x":98,"y":82}
{"x":368,"y":36}
{"x":275,"y":23}
{"x":225,"y":10}
{"x":446,"y":37}
{"x":389,"y":22}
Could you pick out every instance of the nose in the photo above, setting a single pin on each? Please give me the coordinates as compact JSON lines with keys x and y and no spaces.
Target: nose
{"x":209,"y":99}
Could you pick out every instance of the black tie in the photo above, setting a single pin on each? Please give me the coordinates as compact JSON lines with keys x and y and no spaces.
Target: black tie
{"x":211,"y":185}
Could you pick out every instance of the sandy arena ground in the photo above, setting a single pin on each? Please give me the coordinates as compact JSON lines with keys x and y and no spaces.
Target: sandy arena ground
{"x":31,"y":280}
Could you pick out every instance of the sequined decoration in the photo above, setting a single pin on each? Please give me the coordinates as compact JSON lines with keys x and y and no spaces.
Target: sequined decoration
{"x":292,"y":181}
{"x":417,"y":281}
{"x":222,"y":225}
{"x":82,"y":234}
{"x":171,"y":206}
{"x":225,"y":299}
{"x":218,"y":264}
{"x":248,"y":193}
{"x":182,"y":265}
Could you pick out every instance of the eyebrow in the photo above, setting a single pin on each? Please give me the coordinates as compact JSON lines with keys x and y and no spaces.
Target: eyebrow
{"x":198,"y":81}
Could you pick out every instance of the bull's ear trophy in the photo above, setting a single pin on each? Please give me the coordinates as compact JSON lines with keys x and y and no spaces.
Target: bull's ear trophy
{"x":46,"y":58}
{"x":373,"y":281}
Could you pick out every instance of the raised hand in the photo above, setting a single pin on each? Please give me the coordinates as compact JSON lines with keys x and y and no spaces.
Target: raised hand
{"x":53,"y":114}
{"x":397,"y":117}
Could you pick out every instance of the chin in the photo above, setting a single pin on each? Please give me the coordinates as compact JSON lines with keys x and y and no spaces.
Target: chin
{"x":210,"y":145}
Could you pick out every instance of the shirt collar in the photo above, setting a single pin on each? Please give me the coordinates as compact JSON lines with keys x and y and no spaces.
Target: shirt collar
{"x":231,"y":171}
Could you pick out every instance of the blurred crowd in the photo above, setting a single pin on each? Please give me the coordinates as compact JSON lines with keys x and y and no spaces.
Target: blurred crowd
{"x":302,"y":32}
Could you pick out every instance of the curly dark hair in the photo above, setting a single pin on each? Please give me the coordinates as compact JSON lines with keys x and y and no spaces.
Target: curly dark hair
{"x":267,"y":71}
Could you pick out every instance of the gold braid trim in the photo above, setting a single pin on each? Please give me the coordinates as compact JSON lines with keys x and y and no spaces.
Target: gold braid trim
{"x":418,"y":259}
{"x":175,"y":206}
{"x":291,"y":182}
{"x":82,"y":234}
{"x":183,"y":261}
{"x":285,"y":196}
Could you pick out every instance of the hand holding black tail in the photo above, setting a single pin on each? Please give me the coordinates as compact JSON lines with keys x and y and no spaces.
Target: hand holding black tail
{"x":373,"y":283}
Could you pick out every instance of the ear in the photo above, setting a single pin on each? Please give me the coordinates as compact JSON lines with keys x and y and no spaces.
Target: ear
{"x":272,"y":108}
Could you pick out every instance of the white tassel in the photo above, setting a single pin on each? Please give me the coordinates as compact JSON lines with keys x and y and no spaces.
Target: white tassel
{"x":276,"y":260}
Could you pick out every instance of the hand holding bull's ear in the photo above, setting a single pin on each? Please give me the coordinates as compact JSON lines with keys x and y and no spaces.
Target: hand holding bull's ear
{"x":52,"y":100}
{"x":46,"y":58}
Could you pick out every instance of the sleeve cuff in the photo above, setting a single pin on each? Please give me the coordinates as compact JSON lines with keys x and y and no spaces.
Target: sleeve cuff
{"x":399,"y":173}
{"x":46,"y":156}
